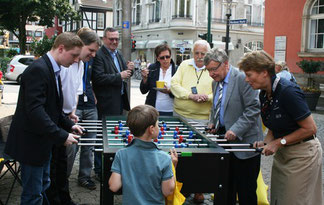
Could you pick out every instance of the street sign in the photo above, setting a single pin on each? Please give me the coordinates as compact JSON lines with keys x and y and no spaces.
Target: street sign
{"x":182,"y":50}
{"x":126,"y":24}
{"x":238,"y":21}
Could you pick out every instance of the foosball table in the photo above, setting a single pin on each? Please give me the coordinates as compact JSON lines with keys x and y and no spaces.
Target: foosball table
{"x":202,"y":166}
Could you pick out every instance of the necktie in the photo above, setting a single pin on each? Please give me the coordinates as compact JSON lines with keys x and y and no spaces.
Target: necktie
{"x":218,"y":105}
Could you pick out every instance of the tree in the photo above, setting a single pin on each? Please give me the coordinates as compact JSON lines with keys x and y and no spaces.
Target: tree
{"x":14,"y":15}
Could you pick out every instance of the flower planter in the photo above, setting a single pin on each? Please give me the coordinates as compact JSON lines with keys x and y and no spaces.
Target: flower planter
{"x":312,"y":99}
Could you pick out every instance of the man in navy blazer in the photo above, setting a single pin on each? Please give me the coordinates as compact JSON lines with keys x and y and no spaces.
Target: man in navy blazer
{"x":239,"y":120}
{"x":38,"y":122}
{"x":110,"y":74}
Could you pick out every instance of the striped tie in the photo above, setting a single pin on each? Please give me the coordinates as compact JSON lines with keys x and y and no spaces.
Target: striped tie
{"x":218,"y":105}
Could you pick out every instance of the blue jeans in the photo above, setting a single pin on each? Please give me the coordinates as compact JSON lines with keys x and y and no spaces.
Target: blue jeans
{"x":86,"y":155}
{"x":35,"y":181}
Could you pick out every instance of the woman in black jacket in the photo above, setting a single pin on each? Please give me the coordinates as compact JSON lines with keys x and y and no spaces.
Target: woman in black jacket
{"x":162,"y":70}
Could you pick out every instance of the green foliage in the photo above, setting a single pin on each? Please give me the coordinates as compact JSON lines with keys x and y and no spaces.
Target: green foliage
{"x":14,"y":15}
{"x":39,"y":48}
{"x":3,"y":64}
{"x":12,"y":52}
{"x":309,"y":66}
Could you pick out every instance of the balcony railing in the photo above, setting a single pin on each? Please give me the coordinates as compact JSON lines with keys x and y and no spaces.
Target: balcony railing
{"x":182,"y":16}
{"x":155,"y":20}
{"x":217,"y":20}
{"x":255,"y":24}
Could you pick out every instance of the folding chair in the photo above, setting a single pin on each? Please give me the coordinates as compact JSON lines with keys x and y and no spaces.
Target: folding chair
{"x":11,"y":166}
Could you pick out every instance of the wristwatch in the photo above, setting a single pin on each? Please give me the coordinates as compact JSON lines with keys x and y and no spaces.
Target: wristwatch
{"x":283,"y":141}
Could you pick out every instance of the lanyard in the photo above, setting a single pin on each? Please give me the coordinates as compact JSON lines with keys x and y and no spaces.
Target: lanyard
{"x":198,"y":78}
{"x":85,"y":76}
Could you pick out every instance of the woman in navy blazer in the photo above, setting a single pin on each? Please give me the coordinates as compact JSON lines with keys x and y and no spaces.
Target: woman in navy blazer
{"x":162,"y":70}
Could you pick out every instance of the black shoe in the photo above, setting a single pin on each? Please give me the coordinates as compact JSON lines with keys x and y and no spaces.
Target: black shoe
{"x":88,"y":184}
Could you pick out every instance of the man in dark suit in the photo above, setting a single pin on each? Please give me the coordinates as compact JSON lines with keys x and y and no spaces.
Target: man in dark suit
{"x":236,"y":114}
{"x":39,"y":122}
{"x":109,"y":76}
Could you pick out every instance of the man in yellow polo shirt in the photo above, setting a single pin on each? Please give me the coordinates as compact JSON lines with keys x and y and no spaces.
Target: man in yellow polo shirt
{"x":191,"y":86}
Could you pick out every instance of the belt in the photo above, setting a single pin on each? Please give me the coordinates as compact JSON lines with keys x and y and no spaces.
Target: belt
{"x":309,"y":138}
{"x":304,"y":140}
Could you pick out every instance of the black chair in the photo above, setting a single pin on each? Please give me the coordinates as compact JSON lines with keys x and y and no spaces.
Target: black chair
{"x":9,"y":165}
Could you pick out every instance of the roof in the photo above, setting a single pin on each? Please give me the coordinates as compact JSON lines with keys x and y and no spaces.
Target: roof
{"x":100,"y":4}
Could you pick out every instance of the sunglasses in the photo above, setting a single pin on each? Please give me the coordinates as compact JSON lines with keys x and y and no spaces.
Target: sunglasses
{"x":164,"y":57}
{"x":113,"y":39}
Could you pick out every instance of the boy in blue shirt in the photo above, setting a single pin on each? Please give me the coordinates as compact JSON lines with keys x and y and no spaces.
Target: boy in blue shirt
{"x":144,"y":171}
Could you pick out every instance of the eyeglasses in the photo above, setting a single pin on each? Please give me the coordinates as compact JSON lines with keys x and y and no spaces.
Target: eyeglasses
{"x":164,"y":57}
{"x":215,"y":68}
{"x":113,"y":39}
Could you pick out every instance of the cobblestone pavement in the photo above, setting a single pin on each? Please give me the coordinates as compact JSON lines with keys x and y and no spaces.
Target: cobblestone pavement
{"x":83,"y":196}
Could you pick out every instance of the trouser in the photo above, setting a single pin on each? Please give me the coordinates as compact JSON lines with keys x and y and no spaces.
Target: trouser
{"x":86,"y":153}
{"x":58,"y":192}
{"x":243,"y":176}
{"x":35,"y":180}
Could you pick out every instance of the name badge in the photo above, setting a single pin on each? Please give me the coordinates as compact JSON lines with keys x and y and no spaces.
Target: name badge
{"x":85,"y":98}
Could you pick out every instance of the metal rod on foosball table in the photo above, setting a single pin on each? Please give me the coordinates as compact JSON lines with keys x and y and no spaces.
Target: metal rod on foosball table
{"x":93,"y":121}
{"x":90,"y":139}
{"x":244,"y":150}
{"x":89,"y":144}
{"x":84,"y":124}
{"x":236,"y":145}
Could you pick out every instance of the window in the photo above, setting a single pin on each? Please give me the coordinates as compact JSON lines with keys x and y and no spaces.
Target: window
{"x":93,"y":20}
{"x":136,"y":18}
{"x":118,"y":13}
{"x":26,"y":61}
{"x":316,"y":33}
{"x":100,"y":20}
{"x":154,"y":11}
{"x":29,"y":33}
{"x":182,"y":9}
{"x":254,"y":12}
{"x":38,"y":33}
{"x":253,"y":46}
{"x":248,"y":13}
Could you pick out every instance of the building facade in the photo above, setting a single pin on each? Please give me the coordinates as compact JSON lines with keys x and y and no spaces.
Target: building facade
{"x":95,"y":14}
{"x":294,"y":30}
{"x":178,"y":23}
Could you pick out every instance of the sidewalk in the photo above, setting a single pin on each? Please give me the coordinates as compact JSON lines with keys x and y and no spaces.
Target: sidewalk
{"x":83,"y":196}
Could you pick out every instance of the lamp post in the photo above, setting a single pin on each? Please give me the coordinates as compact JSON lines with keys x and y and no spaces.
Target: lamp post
{"x":228,"y":15}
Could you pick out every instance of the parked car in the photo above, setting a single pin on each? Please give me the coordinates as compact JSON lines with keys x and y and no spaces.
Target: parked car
{"x":17,"y":66}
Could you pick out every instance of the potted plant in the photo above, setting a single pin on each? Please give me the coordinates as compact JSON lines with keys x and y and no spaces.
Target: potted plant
{"x":311,"y":91}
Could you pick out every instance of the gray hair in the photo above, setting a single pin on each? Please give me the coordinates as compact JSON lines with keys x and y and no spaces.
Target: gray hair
{"x":201,"y":42}
{"x":215,"y":54}
{"x":283,"y":65}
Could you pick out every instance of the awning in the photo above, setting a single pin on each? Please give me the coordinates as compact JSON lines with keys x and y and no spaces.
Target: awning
{"x":153,"y":43}
{"x":220,"y":44}
{"x":182,"y":43}
{"x":141,"y":44}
